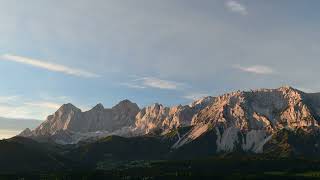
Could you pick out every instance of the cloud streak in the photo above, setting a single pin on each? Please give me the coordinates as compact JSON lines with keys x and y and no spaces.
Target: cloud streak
{"x":160,"y":83}
{"x":256,"y":69}
{"x":44,"y":104}
{"x":153,"y":82}
{"x":49,"y":66}
{"x":6,"y":99}
{"x":195,"y":96}
{"x":134,"y":86}
{"x":15,"y":106}
{"x":236,"y":7}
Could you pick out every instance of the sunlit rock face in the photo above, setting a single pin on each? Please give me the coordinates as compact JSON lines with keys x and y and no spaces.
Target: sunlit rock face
{"x":242,"y":119}
{"x":265,"y":109}
{"x":247,"y":119}
{"x":164,"y":118}
{"x":59,"y":120}
{"x":70,"y":118}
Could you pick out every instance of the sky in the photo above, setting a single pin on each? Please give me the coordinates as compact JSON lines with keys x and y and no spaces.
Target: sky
{"x":169,"y":51}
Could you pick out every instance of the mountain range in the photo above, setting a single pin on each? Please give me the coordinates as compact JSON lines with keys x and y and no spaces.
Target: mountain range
{"x":245,"y":118}
{"x":268,"y":123}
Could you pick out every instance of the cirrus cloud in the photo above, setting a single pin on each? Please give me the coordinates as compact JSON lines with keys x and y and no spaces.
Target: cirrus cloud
{"x":153,"y":82}
{"x":49,"y":66}
{"x":195,"y":96}
{"x":16,"y":106}
{"x":49,"y":105}
{"x":236,"y":7}
{"x":256,"y":69}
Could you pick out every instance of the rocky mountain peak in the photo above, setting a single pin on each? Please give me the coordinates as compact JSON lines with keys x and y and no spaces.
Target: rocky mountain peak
{"x":158,"y":116}
{"x":72,"y":119}
{"x":286,"y":88}
{"x":255,"y":113}
{"x":126,"y":104}
{"x":256,"y":109}
{"x":98,"y":107}
{"x":156,"y":106}
{"x":68,"y":107}
{"x":25,"y":133}
{"x":202,"y":102}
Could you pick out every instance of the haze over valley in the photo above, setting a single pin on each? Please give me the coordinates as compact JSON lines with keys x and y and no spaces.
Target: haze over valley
{"x":12,"y":127}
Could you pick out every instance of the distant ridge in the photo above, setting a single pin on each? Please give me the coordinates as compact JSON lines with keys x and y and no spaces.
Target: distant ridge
{"x":245,"y":119}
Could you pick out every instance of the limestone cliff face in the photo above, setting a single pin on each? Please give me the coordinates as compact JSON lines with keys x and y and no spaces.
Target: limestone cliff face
{"x":164,"y":118}
{"x":264,"y":109}
{"x":70,"y":118}
{"x":245,"y":119}
{"x":248,"y":119}
{"x":59,"y":120}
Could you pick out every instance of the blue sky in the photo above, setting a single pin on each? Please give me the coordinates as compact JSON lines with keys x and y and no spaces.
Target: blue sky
{"x":168,"y":51}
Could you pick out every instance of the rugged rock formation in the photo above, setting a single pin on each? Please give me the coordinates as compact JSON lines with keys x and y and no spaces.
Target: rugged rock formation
{"x":265,"y":109}
{"x":165,"y":118}
{"x":247,"y":119}
{"x":25,"y":133}
{"x":70,"y":118}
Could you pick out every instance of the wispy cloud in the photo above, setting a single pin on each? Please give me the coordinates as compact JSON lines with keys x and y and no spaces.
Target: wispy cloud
{"x":133,"y":85}
{"x":49,"y":66}
{"x":256,"y":69}
{"x":153,"y":82}
{"x":306,"y":89}
{"x":50,"y":105}
{"x":15,"y":106}
{"x":236,"y":7}
{"x":160,"y":83}
{"x":6,"y":99}
{"x":195,"y":96}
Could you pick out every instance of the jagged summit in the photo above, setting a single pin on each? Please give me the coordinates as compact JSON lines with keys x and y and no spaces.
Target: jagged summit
{"x":156,"y":105}
{"x":70,"y":118}
{"x":125,"y":101}
{"x":251,"y":117}
{"x":126,"y":104}
{"x":255,"y":114}
{"x":68,"y":107}
{"x":26,"y":132}
{"x":158,"y":116}
{"x":98,"y":107}
{"x":284,"y":89}
{"x":202,"y":101}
